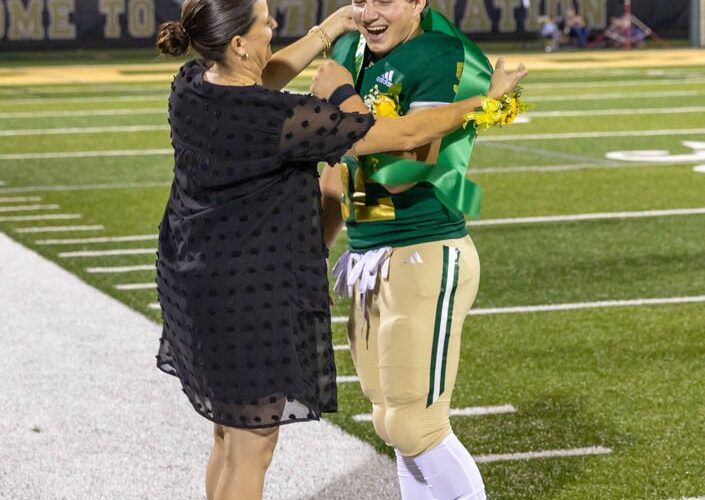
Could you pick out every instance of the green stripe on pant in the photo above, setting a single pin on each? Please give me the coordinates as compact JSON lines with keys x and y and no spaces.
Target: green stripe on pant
{"x":443,"y":323}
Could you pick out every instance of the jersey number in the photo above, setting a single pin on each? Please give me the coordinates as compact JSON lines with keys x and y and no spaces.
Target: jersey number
{"x":363,"y":209}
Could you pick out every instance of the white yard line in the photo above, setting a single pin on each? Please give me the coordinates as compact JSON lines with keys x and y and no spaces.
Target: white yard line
{"x":93,"y":112}
{"x":121,"y":269}
{"x":616,"y":95}
{"x":346,"y":379}
{"x":107,"y":253}
{"x":69,"y":100}
{"x":105,"y":239}
{"x":136,"y":286}
{"x":28,"y":208}
{"x":613,"y":111}
{"x":85,"y":187}
{"x":608,"y":84}
{"x":27,"y":218}
{"x":476,"y":411}
{"x":592,"y":135}
{"x":59,"y":229}
{"x":86,"y":154}
{"x":587,"y":305}
{"x":83,"y":130}
{"x":83,"y":89}
{"x":572,"y":306}
{"x":20,"y":199}
{"x":470,"y":411}
{"x":154,"y":305}
{"x":588,"y":216}
{"x":513,"y":169}
{"x":530,"y":455}
{"x":341,"y":347}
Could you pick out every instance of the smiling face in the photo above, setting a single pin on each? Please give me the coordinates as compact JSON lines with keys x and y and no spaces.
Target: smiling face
{"x":259,"y":37}
{"x":387,"y":23}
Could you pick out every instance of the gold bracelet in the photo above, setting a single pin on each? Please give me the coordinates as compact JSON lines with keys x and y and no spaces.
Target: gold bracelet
{"x":327,"y":44}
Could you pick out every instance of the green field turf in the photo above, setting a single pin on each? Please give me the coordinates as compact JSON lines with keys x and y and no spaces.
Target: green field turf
{"x":628,"y":379}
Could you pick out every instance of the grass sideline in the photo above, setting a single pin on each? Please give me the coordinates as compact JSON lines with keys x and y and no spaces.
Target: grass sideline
{"x":624,"y":378}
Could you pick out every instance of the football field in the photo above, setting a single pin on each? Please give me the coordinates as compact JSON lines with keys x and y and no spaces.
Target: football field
{"x":583,"y":361}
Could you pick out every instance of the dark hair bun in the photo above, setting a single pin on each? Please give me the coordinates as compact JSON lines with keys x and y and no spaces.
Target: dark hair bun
{"x":172,"y":39}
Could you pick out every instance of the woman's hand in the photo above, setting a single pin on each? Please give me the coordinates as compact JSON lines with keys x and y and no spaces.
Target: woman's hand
{"x":339,"y":22}
{"x":504,"y":81}
{"x":329,"y":77}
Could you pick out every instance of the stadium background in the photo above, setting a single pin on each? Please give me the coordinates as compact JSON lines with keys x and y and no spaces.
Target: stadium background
{"x":35,"y":24}
{"x":582,"y":366}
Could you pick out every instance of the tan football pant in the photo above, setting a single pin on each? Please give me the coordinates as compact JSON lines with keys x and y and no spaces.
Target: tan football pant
{"x":406,"y":350}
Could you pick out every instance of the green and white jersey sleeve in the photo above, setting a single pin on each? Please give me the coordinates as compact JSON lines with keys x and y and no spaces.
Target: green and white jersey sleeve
{"x":440,"y":70}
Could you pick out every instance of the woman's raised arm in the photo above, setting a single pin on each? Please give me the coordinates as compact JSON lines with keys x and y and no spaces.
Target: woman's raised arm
{"x":287,"y":63}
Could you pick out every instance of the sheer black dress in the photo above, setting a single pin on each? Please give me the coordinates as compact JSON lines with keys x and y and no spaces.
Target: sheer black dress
{"x":241,"y":270}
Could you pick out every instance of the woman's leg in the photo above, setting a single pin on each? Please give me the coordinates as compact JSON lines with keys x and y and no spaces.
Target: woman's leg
{"x":247,"y":455}
{"x":215,"y":461}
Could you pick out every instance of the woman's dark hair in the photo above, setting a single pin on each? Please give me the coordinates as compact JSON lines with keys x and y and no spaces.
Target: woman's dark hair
{"x":207,"y":26}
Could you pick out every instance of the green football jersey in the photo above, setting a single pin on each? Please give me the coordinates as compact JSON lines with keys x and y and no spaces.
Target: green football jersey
{"x":427,"y":70}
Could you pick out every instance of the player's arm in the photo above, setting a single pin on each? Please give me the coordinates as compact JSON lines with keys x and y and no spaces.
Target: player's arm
{"x":331,"y":195}
{"x":287,"y":63}
{"x":427,"y":153}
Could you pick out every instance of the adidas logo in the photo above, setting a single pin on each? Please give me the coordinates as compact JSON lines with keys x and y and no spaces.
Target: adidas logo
{"x":414,"y":258}
{"x":386,"y":78}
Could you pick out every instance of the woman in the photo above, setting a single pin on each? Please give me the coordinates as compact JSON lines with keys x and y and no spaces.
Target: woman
{"x":241,"y":267}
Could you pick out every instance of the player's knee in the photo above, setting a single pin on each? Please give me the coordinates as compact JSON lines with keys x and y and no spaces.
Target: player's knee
{"x":414,"y":432}
{"x":378,"y":421}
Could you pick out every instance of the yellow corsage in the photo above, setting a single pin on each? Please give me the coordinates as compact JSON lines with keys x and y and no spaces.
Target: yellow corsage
{"x":385,"y":104}
{"x":500,"y":112}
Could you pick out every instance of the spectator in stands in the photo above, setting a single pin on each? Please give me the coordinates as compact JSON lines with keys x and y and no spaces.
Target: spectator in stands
{"x":576,"y":27}
{"x":551,"y":32}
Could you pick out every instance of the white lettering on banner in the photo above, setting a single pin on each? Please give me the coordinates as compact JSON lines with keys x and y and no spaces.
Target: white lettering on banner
{"x":507,"y":21}
{"x":532,"y":17}
{"x":475,"y":18}
{"x":593,"y":11}
{"x":112,"y":10}
{"x":554,"y":8}
{"x":141,"y":18}
{"x":25,"y":23}
{"x":445,"y":7}
{"x":60,"y":27}
{"x":299,"y":16}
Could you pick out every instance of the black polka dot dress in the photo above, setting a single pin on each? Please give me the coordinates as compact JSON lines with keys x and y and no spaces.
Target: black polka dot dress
{"x":241,"y":268}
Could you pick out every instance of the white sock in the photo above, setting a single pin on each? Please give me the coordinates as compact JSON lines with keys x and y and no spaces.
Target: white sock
{"x":411,"y":481}
{"x":450,"y":471}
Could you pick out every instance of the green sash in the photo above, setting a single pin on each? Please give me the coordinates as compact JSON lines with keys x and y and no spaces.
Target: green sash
{"x":448,"y":174}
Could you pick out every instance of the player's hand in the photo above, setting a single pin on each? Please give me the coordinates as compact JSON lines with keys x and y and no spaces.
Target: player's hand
{"x":503,"y":80}
{"x":329,"y":77}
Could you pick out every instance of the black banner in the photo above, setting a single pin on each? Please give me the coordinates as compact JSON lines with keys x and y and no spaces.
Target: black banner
{"x":62,"y":24}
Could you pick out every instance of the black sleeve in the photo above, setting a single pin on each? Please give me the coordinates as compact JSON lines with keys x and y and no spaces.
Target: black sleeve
{"x":315,"y":130}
